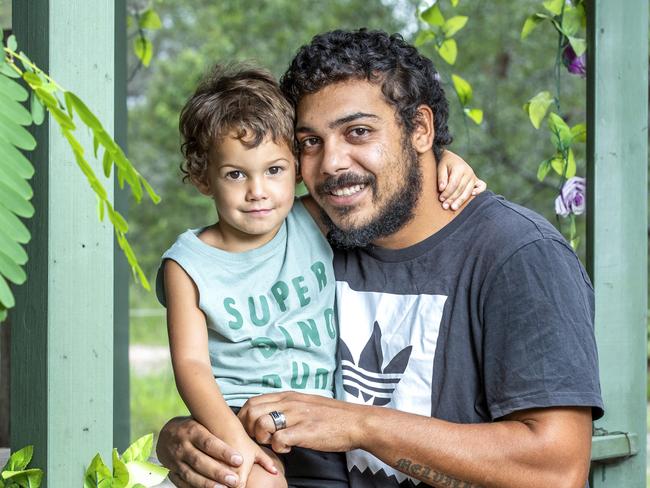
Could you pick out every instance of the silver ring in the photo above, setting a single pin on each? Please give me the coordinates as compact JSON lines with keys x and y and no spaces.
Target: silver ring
{"x":279,"y":420}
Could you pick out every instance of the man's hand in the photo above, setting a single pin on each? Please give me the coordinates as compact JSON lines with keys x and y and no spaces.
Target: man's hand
{"x":198,"y":459}
{"x":313,"y":422}
{"x":457,"y":181}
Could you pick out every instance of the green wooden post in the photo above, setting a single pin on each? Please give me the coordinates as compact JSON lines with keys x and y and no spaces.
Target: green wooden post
{"x":617,"y":123}
{"x":121,"y":403}
{"x":62,"y":328}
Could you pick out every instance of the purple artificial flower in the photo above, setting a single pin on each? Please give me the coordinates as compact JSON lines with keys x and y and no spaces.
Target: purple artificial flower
{"x":571,"y":199}
{"x":576,"y":65}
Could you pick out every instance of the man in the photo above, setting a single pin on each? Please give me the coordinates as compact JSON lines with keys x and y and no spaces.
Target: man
{"x":474,"y":328}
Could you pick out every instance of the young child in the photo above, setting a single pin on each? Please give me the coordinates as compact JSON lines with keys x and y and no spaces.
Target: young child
{"x":250,"y":299}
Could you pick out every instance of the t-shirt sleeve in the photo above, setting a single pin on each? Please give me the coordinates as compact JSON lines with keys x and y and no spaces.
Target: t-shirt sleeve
{"x":539,"y":344}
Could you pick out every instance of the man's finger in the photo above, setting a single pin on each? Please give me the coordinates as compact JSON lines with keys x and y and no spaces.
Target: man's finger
{"x":186,"y":477}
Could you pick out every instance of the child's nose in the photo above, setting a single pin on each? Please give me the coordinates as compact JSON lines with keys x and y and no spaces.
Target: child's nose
{"x":256,"y":189}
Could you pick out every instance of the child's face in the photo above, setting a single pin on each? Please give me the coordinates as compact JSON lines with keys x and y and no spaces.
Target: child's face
{"x":253,"y":188}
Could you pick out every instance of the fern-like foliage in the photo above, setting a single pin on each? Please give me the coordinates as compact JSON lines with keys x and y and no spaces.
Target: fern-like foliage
{"x":45,"y":95}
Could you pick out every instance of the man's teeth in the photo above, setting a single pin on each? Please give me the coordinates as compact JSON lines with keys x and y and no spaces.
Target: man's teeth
{"x":349,"y":190}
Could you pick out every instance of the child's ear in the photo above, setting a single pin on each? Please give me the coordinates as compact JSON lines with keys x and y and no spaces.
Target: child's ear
{"x":423,"y":132}
{"x":202,"y":184}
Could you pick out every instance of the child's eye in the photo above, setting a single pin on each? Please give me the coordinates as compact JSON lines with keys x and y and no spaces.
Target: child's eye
{"x":275,"y":170}
{"x":234,"y":175}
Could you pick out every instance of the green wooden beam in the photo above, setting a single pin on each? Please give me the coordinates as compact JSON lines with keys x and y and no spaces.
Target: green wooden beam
{"x":614,"y":447}
{"x":121,"y":403}
{"x":62,"y":334}
{"x":617,"y":93}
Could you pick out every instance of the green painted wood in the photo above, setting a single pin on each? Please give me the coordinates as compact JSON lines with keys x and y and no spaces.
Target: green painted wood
{"x":617,"y":174}
{"x":614,"y":446}
{"x":122,"y":272}
{"x":62,"y":338}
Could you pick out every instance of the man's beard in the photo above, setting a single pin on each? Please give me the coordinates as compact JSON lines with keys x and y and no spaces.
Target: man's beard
{"x":394,"y":214}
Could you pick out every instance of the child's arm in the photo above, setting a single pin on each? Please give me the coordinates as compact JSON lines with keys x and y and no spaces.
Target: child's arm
{"x":188,"y":342}
{"x":457,"y":181}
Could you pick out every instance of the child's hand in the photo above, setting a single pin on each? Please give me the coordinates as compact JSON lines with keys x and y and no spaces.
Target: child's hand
{"x":457,"y":181}
{"x":253,"y":454}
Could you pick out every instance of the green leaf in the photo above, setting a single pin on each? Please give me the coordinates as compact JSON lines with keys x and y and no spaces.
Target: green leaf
{"x":571,"y":20}
{"x":143,"y":49}
{"x":33,"y":79}
{"x":95,"y":145}
{"x":560,"y":133}
{"x":475,"y":114}
{"x":14,"y":110}
{"x":11,"y":271}
{"x":423,"y":37}
{"x":18,"y":184}
{"x":37,"y":109}
{"x":12,"y":249}
{"x":14,"y":202}
{"x":155,"y":198}
{"x":531,"y":22}
{"x":150,"y":20}
{"x":454,"y":24}
{"x":463,"y":89}
{"x":543,"y":169}
{"x":538,"y":106}
{"x":29,"y":478}
{"x":557,"y":163}
{"x":3,"y":317}
{"x":98,"y":475}
{"x":12,"y":89}
{"x":579,"y":45}
{"x":118,"y":221}
{"x":571,"y":165}
{"x":579,"y":133}
{"x":7,"y":301}
{"x":13,"y":227}
{"x":7,"y":70}
{"x":448,"y":51}
{"x":15,"y":161}
{"x":454,"y":2}
{"x":21,"y":458}
{"x":120,"y":472}
{"x":433,"y":16}
{"x":12,"y":43}
{"x":84,"y":112}
{"x":145,"y":473}
{"x":107,"y":163}
{"x":554,"y":6}
{"x":16,"y":134}
{"x":100,"y":209}
{"x":140,"y":450}
{"x":26,"y":62}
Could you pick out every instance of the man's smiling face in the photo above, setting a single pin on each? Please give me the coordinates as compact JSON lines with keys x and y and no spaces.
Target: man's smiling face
{"x":356,"y":161}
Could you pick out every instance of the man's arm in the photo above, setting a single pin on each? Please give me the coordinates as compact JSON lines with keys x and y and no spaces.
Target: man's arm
{"x":531,"y":448}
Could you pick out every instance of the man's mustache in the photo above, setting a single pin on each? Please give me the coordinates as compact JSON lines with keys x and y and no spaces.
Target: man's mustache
{"x":345,"y":180}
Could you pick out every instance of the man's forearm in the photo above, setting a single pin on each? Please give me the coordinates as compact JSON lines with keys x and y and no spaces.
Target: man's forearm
{"x":548,"y":450}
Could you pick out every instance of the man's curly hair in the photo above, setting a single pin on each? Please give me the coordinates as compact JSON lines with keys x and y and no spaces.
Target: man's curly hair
{"x":239,"y":98}
{"x":408,"y":79}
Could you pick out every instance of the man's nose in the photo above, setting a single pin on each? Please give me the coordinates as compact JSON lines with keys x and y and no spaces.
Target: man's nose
{"x":335,"y":158}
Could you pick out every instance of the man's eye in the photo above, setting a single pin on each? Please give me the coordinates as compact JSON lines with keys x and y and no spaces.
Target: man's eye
{"x":275,"y":170}
{"x":359,"y":131}
{"x":234,"y":175}
{"x":308,"y":142}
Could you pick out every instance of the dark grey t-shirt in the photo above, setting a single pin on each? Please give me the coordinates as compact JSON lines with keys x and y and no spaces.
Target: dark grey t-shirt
{"x":490,"y":315}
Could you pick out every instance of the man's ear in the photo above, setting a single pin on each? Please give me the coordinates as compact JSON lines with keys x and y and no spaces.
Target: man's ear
{"x":423,"y":131}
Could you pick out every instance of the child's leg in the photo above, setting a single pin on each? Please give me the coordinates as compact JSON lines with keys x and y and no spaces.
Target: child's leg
{"x":261,"y":478}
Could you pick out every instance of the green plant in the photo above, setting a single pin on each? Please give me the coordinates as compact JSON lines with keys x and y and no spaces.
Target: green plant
{"x":15,"y":473}
{"x":568,"y":20}
{"x":46,"y":95}
{"x":441,"y":32}
{"x":131,"y":470}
